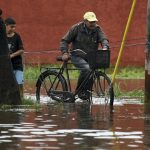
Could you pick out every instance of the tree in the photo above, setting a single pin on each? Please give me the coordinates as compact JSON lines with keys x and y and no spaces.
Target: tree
{"x":147,"y":59}
{"x":9,"y":90}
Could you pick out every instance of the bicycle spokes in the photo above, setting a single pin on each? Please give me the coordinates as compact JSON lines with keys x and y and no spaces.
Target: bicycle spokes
{"x":49,"y":81}
{"x":101,"y":89}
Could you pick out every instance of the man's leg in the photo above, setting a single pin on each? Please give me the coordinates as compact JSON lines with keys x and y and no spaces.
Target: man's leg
{"x":20,"y":81}
{"x":84,"y":68}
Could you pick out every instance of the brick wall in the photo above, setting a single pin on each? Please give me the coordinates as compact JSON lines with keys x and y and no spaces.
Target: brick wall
{"x":42,"y":23}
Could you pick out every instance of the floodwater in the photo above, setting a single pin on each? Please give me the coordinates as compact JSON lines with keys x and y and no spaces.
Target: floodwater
{"x":78,"y":126}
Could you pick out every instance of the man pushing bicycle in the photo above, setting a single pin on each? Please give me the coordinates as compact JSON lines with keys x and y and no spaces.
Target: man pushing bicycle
{"x":84,"y":37}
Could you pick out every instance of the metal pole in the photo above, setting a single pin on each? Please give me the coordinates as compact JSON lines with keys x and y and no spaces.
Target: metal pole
{"x":123,"y":40}
{"x":147,"y":58}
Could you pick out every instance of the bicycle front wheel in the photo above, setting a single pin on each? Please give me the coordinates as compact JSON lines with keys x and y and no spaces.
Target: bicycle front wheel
{"x":102,"y":90}
{"x":48,"y":81}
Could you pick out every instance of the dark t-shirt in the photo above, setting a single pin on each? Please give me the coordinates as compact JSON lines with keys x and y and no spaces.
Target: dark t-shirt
{"x":15,"y":44}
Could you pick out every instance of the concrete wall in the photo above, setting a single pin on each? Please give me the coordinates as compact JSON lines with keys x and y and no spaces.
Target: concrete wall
{"x":42,"y":23}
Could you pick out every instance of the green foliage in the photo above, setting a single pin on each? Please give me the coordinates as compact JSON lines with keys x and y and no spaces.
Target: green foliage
{"x":28,"y":101}
{"x":131,"y":73}
{"x":32,"y":72}
{"x":5,"y":107}
{"x":26,"y":104}
{"x":31,"y":104}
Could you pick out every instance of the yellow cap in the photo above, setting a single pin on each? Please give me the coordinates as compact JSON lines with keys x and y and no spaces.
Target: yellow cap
{"x":90,"y":16}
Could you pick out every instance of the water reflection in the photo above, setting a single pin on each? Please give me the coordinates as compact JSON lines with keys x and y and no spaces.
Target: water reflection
{"x":77,"y":126}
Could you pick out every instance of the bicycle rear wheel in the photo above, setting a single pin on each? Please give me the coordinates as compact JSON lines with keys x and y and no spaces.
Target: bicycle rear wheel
{"x":102,"y":89}
{"x":49,"y":81}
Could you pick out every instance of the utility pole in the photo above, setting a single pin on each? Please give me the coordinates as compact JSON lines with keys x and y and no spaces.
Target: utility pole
{"x":147,"y":58}
{"x":147,"y":81}
{"x":123,"y":39}
{"x":9,"y":90}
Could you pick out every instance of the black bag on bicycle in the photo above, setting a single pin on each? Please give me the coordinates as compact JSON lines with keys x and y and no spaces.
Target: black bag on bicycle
{"x":99,"y":59}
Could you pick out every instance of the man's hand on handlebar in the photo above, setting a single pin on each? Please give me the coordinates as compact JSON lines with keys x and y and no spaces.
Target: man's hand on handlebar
{"x":65,"y":56}
{"x":105,"y":48}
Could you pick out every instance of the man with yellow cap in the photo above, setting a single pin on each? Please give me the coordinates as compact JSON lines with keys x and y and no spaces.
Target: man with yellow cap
{"x":84,"y":37}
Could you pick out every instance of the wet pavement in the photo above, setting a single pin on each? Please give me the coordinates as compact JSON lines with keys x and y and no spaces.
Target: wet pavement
{"x":78,"y":126}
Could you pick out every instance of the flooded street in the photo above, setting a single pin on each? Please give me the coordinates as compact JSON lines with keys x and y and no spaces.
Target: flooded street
{"x":78,"y":126}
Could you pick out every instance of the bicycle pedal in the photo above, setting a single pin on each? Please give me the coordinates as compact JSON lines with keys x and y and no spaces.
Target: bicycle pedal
{"x":84,"y":96}
{"x":62,"y":96}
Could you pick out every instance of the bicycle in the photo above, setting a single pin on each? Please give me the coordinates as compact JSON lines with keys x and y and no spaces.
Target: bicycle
{"x":57,"y":86}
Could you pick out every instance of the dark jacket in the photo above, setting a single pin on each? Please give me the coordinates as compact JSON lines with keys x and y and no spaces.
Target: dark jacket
{"x":83,"y":38}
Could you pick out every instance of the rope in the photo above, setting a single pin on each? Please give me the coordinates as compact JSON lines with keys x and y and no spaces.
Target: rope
{"x":114,"y":45}
{"x":56,"y":50}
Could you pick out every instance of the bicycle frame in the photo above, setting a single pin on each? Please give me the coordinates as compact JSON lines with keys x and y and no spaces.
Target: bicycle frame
{"x":59,"y":87}
{"x":64,"y":68}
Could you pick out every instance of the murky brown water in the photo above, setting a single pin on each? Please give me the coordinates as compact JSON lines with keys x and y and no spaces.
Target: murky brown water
{"x":77,"y":126}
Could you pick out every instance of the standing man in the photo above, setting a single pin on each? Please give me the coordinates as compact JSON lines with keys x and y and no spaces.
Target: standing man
{"x":16,"y":49}
{"x":86,"y":36}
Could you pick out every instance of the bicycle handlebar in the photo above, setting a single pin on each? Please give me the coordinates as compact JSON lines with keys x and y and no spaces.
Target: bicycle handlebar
{"x":77,"y":52}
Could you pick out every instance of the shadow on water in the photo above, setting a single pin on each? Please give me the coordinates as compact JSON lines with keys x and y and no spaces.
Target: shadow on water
{"x":78,"y":126}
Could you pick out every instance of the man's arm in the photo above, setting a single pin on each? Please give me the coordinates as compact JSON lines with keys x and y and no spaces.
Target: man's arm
{"x":103,"y":39}
{"x":20,"y":50}
{"x":17,"y":53}
{"x":67,"y":39}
